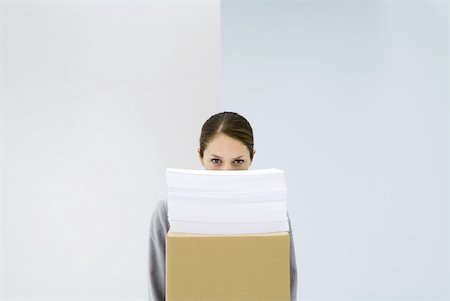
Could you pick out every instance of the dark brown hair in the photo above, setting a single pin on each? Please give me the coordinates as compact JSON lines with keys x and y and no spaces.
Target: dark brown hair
{"x":228,"y":123}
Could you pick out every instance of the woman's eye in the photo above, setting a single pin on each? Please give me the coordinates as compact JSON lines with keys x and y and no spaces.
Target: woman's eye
{"x":213,"y":160}
{"x":242,"y":161}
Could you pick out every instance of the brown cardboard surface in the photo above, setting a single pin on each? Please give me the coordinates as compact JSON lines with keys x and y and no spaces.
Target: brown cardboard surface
{"x":227,"y":267}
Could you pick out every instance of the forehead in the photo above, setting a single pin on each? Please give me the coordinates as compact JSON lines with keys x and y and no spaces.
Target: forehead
{"x":225,"y":146}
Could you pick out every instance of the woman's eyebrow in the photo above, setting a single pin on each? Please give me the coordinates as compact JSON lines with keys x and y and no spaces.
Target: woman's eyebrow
{"x":222,"y":158}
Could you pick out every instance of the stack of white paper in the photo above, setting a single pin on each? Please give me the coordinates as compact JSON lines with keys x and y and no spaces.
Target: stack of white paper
{"x":227,"y":201}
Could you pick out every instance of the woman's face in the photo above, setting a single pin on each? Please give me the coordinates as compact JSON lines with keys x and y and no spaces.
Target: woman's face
{"x":226,"y":153}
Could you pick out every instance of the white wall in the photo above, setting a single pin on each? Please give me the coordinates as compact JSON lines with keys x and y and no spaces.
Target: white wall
{"x":351,"y":98}
{"x":97,"y":99}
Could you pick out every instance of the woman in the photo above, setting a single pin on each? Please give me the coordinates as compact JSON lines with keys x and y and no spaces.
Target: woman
{"x":226,"y":143}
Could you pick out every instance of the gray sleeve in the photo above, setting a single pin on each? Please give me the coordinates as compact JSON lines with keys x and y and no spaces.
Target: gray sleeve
{"x":293,"y":264}
{"x":159,"y":226}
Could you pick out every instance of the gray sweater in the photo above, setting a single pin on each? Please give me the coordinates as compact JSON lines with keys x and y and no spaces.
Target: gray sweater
{"x":159,"y":226}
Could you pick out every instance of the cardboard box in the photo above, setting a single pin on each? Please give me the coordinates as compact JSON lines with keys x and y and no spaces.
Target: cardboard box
{"x":227,"y":267}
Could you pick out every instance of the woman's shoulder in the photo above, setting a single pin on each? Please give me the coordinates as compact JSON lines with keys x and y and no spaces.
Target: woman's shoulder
{"x":160,"y":216}
{"x":162,"y":202}
{"x":161,"y":207}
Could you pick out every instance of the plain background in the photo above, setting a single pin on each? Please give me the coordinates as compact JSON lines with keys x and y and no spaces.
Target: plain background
{"x":350,"y":98}
{"x":98,"y":98}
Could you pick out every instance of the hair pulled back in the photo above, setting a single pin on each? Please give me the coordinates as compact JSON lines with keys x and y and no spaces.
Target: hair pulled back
{"x":228,"y":123}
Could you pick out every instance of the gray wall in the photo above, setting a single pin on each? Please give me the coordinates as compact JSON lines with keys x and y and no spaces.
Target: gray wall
{"x":97,"y":99}
{"x":351,"y":98}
